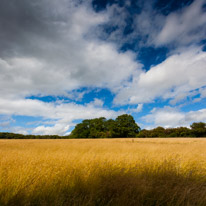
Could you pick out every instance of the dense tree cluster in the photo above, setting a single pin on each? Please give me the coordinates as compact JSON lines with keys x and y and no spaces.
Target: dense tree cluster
{"x":123,"y":126}
{"x":6,"y":135}
{"x":198,"y":129}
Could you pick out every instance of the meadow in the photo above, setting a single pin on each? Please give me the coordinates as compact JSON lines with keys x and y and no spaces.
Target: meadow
{"x":100,"y":172}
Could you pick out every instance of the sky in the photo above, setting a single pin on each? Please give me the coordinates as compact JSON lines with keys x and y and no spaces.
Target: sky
{"x":62,"y":61}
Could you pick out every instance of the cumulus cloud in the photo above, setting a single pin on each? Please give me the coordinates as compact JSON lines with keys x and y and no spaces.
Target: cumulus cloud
{"x":174,"y":79}
{"x":137,"y":109}
{"x":48,"y":48}
{"x":59,"y":129}
{"x":52,"y":53}
{"x":203,"y":92}
{"x":61,"y":115}
{"x":180,"y":28}
{"x":148,"y":26}
{"x":5,"y":121}
{"x":184,"y":27}
{"x":172,"y":117}
{"x":138,"y":27}
{"x":97,"y":102}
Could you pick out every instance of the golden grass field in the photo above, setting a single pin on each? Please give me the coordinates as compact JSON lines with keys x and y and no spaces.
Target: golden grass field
{"x":99,"y":172}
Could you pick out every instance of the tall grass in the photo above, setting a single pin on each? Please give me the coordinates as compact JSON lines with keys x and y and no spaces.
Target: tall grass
{"x":103,"y":172}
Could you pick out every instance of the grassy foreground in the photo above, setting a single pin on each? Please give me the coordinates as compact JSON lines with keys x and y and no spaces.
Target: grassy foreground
{"x":103,"y":172}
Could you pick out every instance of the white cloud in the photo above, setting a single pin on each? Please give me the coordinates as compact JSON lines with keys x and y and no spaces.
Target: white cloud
{"x":137,"y":109}
{"x":54,"y":56}
{"x":167,"y":117}
{"x":172,"y":117}
{"x":149,"y":27}
{"x":174,"y":78}
{"x":19,"y":130}
{"x":61,"y":115}
{"x":203,"y":92}
{"x":97,"y":102}
{"x":67,"y":60}
{"x":5,"y":121}
{"x":185,"y":26}
{"x":59,"y":129}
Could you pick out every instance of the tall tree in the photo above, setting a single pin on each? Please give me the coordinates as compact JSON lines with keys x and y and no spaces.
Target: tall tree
{"x":199,"y":129}
{"x":126,"y":126}
{"x":81,"y":130}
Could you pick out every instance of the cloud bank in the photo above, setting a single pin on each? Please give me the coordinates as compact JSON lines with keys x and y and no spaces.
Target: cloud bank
{"x":174,"y":79}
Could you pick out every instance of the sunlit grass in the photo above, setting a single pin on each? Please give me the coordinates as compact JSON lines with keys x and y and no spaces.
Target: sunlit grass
{"x":103,"y":172}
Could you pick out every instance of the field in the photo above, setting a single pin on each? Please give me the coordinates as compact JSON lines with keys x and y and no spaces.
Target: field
{"x":102,"y":172}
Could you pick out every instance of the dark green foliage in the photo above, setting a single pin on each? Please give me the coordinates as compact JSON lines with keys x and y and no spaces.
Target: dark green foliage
{"x":144,"y":133}
{"x":6,"y":135}
{"x":93,"y":128}
{"x":158,"y":132}
{"x":199,"y":129}
{"x":81,"y":130}
{"x":123,"y":126}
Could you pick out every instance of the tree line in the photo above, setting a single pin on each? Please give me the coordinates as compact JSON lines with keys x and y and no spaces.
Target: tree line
{"x":7,"y":135}
{"x":197,"y":129}
{"x":123,"y":126}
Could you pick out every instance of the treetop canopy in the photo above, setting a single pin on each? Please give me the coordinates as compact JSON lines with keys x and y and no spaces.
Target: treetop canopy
{"x":123,"y":126}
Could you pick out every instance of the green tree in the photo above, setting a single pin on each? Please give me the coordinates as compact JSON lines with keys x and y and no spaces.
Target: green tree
{"x":178,"y":132}
{"x":110,"y":128}
{"x":97,"y":127}
{"x":125,"y":126}
{"x":144,"y":133}
{"x":158,"y":132}
{"x":198,"y":129}
{"x":90,"y":128}
{"x":81,"y":130}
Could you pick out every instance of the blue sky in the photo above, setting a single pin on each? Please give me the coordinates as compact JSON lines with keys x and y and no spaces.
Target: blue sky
{"x":64,"y":61}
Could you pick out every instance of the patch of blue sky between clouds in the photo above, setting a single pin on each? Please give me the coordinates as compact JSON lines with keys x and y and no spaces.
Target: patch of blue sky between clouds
{"x":150,"y":56}
{"x":166,"y":7}
{"x":80,"y":96}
